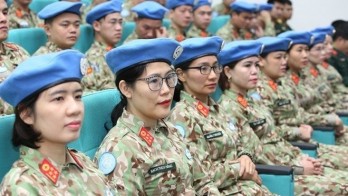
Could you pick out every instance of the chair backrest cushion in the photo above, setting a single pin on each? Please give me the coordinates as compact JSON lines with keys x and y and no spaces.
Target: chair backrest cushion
{"x":31,"y":39}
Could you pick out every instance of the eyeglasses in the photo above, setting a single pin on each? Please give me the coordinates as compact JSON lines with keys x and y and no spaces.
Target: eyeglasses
{"x":206,"y":69}
{"x":155,"y":82}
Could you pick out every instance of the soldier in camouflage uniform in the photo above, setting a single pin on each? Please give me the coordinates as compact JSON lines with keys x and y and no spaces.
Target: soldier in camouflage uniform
{"x":217,"y":141}
{"x":277,"y":16}
{"x":62,"y":26}
{"x":143,"y":154}
{"x":107,"y":23}
{"x":223,"y":8}
{"x":339,"y":58}
{"x":10,"y":56}
{"x":263,"y":21}
{"x":275,"y":149}
{"x":46,"y":166}
{"x":201,"y":19}
{"x":238,"y":28}
{"x":20,"y":15}
{"x":180,"y":15}
{"x":148,"y":21}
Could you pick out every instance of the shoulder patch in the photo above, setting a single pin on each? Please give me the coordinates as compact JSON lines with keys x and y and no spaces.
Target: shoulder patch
{"x":181,"y":130}
{"x":107,"y":163}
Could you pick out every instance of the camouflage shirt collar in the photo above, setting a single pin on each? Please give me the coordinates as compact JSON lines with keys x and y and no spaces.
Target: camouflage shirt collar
{"x":105,"y":47}
{"x":8,"y":48}
{"x":34,"y":158}
{"x":52,"y":47}
{"x":193,"y":101}
{"x":135,"y":124}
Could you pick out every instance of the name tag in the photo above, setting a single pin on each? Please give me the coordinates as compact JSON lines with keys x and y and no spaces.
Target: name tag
{"x":213,"y":135}
{"x":282,"y":102}
{"x":257,"y":123}
{"x":162,"y":168}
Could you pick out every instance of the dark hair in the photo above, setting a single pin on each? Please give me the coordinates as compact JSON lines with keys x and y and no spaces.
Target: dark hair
{"x":223,"y":80}
{"x":51,"y":19}
{"x":179,"y":87}
{"x":288,"y":2}
{"x":341,"y":28}
{"x":23,"y":133}
{"x":129,"y":76}
{"x":278,"y":1}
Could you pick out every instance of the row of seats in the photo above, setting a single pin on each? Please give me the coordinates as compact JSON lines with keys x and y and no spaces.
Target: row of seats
{"x":32,"y":38}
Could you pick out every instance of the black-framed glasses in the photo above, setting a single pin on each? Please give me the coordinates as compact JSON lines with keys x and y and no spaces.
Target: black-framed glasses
{"x":206,"y":69}
{"x":156,"y":82}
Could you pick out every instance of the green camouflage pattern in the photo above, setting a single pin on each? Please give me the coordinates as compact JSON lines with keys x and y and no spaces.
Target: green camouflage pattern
{"x":339,"y":61}
{"x":135,"y":159}
{"x":220,"y":9}
{"x":218,"y":154}
{"x":47,"y":48}
{"x":269,"y":29}
{"x":131,"y":37}
{"x":102,"y":77}
{"x":228,"y":33}
{"x":173,"y":34}
{"x":79,"y":176}
{"x":194,"y":31}
{"x":12,"y":55}
{"x":20,"y":19}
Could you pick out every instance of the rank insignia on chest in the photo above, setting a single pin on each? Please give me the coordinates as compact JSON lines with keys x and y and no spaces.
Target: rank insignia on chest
{"x":213,"y":135}
{"x":295,"y":78}
{"x":50,"y":171}
{"x":162,"y":168}
{"x":314,"y":72}
{"x":146,"y":136}
{"x":202,"y":109}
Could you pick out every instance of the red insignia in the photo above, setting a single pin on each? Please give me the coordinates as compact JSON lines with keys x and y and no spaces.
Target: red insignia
{"x":19,"y":13}
{"x":273,"y":85}
{"x":314,"y":72}
{"x":180,"y":38}
{"x":202,"y":109}
{"x":242,"y":101}
{"x":235,"y":34}
{"x":325,"y":65}
{"x":295,"y":78}
{"x":108,"y":48}
{"x":49,"y":170}
{"x":146,"y":136}
{"x":204,"y":34}
{"x":248,"y":35}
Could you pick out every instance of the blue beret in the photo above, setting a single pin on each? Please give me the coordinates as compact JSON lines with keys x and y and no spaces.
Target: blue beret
{"x":150,"y":9}
{"x":171,"y":4}
{"x":243,"y":6}
{"x":199,"y":47}
{"x":59,"y":7}
{"x":39,"y":72}
{"x":318,"y":38}
{"x":200,"y":3}
{"x":238,"y":50}
{"x":103,"y":9}
{"x":329,"y":30}
{"x":298,"y":37}
{"x":272,"y":44}
{"x":264,"y":7}
{"x":143,"y":51}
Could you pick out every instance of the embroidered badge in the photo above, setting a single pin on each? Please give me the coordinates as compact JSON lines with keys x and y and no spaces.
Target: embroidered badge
{"x":242,"y":101}
{"x":273,"y":85}
{"x":212,"y":135}
{"x":181,"y":130}
{"x":49,"y":170}
{"x":85,"y":68}
{"x":177,"y":52}
{"x":295,"y":78}
{"x":314,"y":72}
{"x":202,"y":109}
{"x":107,"y":163}
{"x":282,"y":102}
{"x":257,"y":123}
{"x":162,"y":168}
{"x":146,"y":136}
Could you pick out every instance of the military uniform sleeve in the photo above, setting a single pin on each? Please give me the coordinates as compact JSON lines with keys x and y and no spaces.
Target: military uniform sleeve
{"x":342,"y":68}
{"x":17,"y":183}
{"x":222,"y":173}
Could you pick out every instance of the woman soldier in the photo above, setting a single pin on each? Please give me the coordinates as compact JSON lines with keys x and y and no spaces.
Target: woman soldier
{"x":217,"y":141}
{"x":238,"y":81}
{"x":46,"y":93}
{"x":143,"y":154}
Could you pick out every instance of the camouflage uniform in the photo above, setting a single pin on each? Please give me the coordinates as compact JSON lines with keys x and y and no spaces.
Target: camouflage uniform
{"x":148,"y":162}
{"x":269,"y":29}
{"x":102,"y":77}
{"x":220,"y":9}
{"x":11,"y":56}
{"x":339,"y":60}
{"x":229,"y":33}
{"x":172,"y":33}
{"x":48,"y":48}
{"x":286,"y":113}
{"x":217,"y":142}
{"x":34,"y":174}
{"x":21,"y":19}
{"x":194,"y":31}
{"x":281,"y":26}
{"x":276,"y":151}
{"x":131,"y":37}
{"x":126,"y":13}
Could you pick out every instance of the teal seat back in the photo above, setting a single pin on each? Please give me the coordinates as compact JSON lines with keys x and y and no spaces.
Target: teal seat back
{"x":128,"y":28}
{"x":8,"y":152}
{"x":217,"y":22}
{"x":325,"y":137}
{"x":97,"y":120}
{"x":344,"y":120}
{"x":280,"y":184}
{"x":30,"y":39}
{"x":85,"y":39}
{"x":217,"y":94}
{"x":37,"y":5}
{"x":166,"y":23}
{"x":311,"y":153}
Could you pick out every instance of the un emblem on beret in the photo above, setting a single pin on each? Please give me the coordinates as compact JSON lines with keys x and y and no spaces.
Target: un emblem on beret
{"x":222,"y":45}
{"x":262,"y":47}
{"x":177,"y":52}
{"x":312,"y":40}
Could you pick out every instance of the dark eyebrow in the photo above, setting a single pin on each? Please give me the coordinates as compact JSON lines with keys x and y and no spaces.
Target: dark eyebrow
{"x":65,"y":91}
